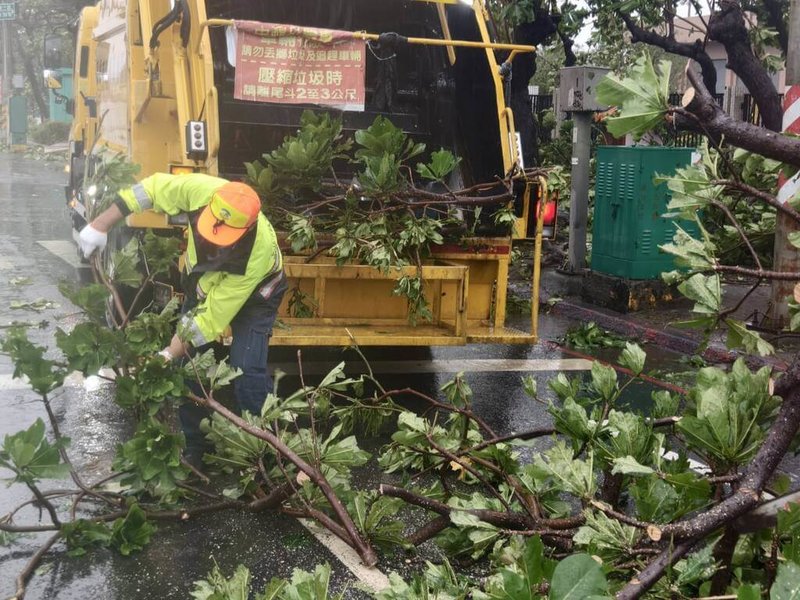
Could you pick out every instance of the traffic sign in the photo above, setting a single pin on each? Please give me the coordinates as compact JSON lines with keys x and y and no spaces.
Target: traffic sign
{"x":8,"y":11}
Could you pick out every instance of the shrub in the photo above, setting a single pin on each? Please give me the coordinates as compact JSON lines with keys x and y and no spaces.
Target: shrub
{"x":50,"y":132}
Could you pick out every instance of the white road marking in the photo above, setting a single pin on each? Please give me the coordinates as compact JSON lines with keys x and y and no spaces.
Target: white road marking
{"x":371,"y":577}
{"x":468,"y":365}
{"x":63,"y":249}
{"x":6,"y":265}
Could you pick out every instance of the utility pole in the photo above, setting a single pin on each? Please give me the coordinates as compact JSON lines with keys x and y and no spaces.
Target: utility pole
{"x":5,"y":87}
{"x":577,"y":96}
{"x":787,"y":256}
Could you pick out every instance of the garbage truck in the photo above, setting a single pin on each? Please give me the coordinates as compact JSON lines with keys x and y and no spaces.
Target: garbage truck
{"x":165,"y":82}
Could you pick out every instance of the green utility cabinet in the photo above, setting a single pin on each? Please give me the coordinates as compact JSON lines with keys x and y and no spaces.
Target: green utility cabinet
{"x":628,"y":207}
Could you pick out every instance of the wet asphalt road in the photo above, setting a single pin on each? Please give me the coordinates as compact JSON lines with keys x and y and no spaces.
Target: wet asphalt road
{"x":31,"y":212}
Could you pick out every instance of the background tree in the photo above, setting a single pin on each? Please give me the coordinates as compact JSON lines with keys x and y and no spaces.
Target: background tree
{"x":36,"y":19}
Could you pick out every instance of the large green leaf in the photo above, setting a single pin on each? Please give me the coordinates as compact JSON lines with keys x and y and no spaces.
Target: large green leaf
{"x":577,"y":577}
{"x":132,"y":532}
{"x":31,"y":457}
{"x":787,"y":583}
{"x":125,"y":265}
{"x":641,"y":97}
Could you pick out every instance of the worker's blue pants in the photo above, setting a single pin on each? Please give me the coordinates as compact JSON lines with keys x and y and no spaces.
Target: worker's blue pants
{"x":251,"y":328}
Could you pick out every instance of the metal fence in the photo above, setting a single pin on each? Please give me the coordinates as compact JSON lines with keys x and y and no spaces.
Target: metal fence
{"x":540,"y":104}
{"x":750,"y":112}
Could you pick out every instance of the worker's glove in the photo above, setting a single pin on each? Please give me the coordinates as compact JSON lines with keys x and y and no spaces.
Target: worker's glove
{"x":166,"y":355}
{"x":91,"y":239}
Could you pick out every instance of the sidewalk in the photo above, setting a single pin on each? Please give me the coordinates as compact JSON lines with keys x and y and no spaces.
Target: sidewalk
{"x":657,"y":325}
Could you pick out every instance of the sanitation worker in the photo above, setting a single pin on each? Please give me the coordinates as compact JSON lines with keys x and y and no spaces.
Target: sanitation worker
{"x":234,"y":276}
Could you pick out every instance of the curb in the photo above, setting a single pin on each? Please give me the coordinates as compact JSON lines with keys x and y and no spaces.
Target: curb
{"x":714,"y":353}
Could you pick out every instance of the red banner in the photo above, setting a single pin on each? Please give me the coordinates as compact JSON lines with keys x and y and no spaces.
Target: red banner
{"x":286,"y":64}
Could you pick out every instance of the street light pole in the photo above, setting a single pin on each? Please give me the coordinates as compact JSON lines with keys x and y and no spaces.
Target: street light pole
{"x":786,"y":255}
{"x":4,"y":86}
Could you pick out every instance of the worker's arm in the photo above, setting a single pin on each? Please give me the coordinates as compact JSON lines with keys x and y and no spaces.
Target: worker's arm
{"x":170,"y":194}
{"x":220,"y":306}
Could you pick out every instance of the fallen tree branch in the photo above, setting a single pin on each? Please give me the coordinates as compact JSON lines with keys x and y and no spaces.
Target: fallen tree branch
{"x":701,"y":113}
{"x":365,"y":551}
{"x":32,"y":564}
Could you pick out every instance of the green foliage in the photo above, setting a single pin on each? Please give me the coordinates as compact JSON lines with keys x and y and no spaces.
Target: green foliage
{"x":573,"y":476}
{"x":43,"y":375}
{"x":523,"y":567}
{"x":161,"y":252}
{"x":151,"y":461}
{"x":82,"y":535}
{"x":297,"y":167}
{"x":382,"y":138}
{"x":642,"y":97}
{"x":50,"y":132}
{"x":606,"y":537}
{"x":217,"y":587}
{"x":727,"y":414}
{"x":412,"y":289}
{"x":90,"y":347}
{"x":374,"y":517}
{"x":436,"y":582}
{"x":578,"y":577}
{"x":150,"y":332}
{"x":124,"y":269}
{"x":589,"y":336}
{"x":372,"y":219}
{"x":301,"y":233}
{"x":30,"y":457}
{"x":302,"y":305}
{"x":304,"y":585}
{"x":131,"y":533}
{"x":92,"y":299}
{"x":112,"y":172}
{"x":442,"y":163}
{"x":127,"y":535}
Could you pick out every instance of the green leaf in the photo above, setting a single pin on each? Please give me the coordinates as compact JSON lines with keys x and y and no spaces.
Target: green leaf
{"x":633,"y":358}
{"x":705,"y":291}
{"x":604,"y":380}
{"x":43,"y":375}
{"x":748,"y":592}
{"x":442,"y":163}
{"x":162,"y":252}
{"x":82,"y":535}
{"x":606,"y":537}
{"x":627,"y":465}
{"x":31,"y":457}
{"x":124,"y":269}
{"x":572,"y":475}
{"x":132,"y":532}
{"x":640,"y":97}
{"x":698,"y":255}
{"x":576,"y":578}
{"x":217,"y":587}
{"x":739,"y":336}
{"x":465,"y":519}
{"x":787,"y":583}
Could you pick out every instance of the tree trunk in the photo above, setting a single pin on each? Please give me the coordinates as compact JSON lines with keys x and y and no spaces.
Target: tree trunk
{"x":34,"y":78}
{"x":524,"y":67}
{"x":727,"y":26}
{"x":695,"y":51}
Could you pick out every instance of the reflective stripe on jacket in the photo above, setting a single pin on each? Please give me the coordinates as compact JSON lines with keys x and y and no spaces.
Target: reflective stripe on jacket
{"x":225,"y":293}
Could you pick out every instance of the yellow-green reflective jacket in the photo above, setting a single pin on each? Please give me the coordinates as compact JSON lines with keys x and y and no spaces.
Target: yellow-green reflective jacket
{"x":222,"y":293}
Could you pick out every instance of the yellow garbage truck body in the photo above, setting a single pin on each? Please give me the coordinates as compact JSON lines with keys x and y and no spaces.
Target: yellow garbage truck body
{"x":156,"y":80}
